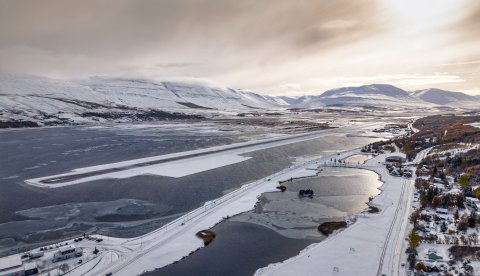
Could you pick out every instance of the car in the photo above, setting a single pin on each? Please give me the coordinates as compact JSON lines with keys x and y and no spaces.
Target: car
{"x":109,"y":274}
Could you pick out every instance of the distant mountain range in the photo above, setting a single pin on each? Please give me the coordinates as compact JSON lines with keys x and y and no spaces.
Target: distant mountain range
{"x":44,"y":100}
{"x":442,"y":97}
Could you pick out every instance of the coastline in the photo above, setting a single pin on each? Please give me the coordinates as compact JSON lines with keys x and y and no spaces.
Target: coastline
{"x":177,"y":239}
{"x":353,"y":239}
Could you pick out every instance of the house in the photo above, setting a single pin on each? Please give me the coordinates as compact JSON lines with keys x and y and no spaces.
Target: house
{"x":395,"y":159}
{"x":442,"y":211}
{"x":424,"y":169}
{"x":471,"y":201}
{"x":439,"y":186}
{"x":10,"y":262}
{"x":67,"y":252}
{"x":13,"y":266}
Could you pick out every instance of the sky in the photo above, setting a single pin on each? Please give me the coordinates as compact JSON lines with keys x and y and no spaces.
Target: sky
{"x":276,"y":47}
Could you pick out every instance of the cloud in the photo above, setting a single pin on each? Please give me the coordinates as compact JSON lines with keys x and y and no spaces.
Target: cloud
{"x":258,"y":45}
{"x":461,"y":63}
{"x":403,"y":80}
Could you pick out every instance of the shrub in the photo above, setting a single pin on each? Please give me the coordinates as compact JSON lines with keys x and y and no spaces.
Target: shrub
{"x":420,"y":266}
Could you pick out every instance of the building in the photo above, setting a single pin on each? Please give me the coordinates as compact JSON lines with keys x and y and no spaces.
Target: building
{"x":395,"y":160}
{"x":471,"y":201}
{"x":13,"y":266}
{"x":67,"y":252}
{"x":442,"y":211}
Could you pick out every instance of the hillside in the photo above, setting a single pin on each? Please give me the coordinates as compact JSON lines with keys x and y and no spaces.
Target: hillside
{"x":443,"y":97}
{"x":45,"y":101}
{"x":30,"y":100}
{"x":372,"y":95}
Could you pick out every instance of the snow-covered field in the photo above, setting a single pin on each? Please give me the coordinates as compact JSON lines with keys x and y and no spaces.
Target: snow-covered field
{"x":477,"y":125}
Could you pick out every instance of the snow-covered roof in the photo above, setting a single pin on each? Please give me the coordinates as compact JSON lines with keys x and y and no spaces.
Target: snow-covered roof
{"x":454,"y":191}
{"x":66,"y":248}
{"x":439,"y":186}
{"x":10,"y":262}
{"x":443,"y":210}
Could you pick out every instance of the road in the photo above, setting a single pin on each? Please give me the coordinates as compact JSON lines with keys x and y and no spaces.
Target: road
{"x":397,"y":244}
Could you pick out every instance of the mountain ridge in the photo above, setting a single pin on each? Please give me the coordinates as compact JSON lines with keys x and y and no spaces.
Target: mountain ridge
{"x":26,"y":97}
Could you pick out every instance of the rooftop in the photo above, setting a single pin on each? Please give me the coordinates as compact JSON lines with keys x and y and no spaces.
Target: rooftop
{"x":10,"y":262}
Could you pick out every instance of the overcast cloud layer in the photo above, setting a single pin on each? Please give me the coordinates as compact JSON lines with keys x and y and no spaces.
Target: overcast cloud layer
{"x":276,"y":47}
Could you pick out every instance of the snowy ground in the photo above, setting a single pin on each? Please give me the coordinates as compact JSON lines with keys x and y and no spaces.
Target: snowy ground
{"x":373,"y":245}
{"x":477,"y":125}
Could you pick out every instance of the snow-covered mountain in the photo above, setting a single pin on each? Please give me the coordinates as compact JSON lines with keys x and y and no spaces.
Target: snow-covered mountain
{"x":39,"y":99}
{"x":384,"y":95}
{"x":443,"y":97}
{"x":47,"y":101}
{"x":371,"y":95}
{"x":157,"y":95}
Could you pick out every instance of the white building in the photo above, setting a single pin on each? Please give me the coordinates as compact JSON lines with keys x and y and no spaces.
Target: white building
{"x":67,"y":252}
{"x":13,"y":266}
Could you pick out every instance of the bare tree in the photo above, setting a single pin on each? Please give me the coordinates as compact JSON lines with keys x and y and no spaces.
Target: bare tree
{"x":64,"y":267}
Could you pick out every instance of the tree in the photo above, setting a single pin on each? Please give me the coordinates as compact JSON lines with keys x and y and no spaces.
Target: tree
{"x":463,"y":223}
{"x":64,"y":267}
{"x":472,"y":219}
{"x":414,"y":217}
{"x":463,"y":180}
{"x":413,"y":239}
{"x":443,"y":227}
{"x":436,"y":201}
{"x":421,"y":266}
{"x":477,"y":192}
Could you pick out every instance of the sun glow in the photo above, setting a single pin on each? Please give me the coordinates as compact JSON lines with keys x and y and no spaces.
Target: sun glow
{"x":416,"y":15}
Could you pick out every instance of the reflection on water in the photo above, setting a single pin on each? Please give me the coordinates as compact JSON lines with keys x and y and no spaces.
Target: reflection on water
{"x":290,"y":221}
{"x":239,"y":249}
{"x":338,"y":192}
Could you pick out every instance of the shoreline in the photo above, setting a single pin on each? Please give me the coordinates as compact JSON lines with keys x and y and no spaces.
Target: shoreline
{"x":177,"y":239}
{"x":174,"y":241}
{"x":353,"y":238}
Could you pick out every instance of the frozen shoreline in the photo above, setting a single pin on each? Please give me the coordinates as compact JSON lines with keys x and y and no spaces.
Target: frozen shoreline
{"x":373,"y":245}
{"x":177,"y":239}
{"x":179,"y":164}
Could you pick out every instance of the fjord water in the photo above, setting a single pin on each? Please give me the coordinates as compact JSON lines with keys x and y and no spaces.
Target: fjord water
{"x":281,"y":225}
{"x":122,"y":207}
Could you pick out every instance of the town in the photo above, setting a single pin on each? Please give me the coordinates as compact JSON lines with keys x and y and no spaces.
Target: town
{"x":444,"y":220}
